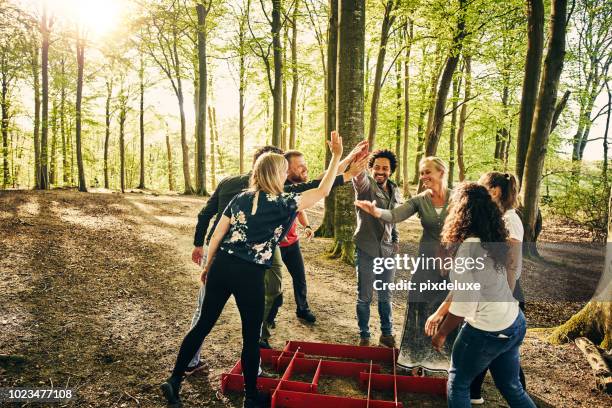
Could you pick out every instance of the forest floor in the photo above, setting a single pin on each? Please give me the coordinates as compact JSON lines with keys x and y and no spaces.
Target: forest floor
{"x":98,"y":290}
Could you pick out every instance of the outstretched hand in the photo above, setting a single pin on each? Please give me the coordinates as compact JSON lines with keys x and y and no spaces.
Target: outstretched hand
{"x":358,"y":166}
{"x":335,"y":144}
{"x":359,"y":151}
{"x":369,"y":207}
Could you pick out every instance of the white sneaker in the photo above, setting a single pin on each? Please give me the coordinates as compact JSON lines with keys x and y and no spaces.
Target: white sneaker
{"x":477,"y":401}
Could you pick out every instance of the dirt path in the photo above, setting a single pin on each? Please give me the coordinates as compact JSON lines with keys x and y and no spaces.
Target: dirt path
{"x":98,"y":289}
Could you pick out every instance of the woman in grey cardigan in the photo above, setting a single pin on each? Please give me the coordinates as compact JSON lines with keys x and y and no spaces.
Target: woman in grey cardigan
{"x":431,"y":206}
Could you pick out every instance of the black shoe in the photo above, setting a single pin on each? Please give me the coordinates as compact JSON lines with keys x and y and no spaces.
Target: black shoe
{"x":266,"y":374}
{"x":272,"y":324}
{"x":171,"y":389}
{"x":264,"y":344}
{"x":306,"y":315}
{"x":194,"y":369}
{"x":261,"y":401}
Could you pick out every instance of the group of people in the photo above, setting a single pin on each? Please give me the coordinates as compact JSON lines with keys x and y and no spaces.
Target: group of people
{"x":255,"y":233}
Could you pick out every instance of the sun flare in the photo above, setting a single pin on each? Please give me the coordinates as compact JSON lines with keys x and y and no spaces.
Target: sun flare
{"x":98,"y":17}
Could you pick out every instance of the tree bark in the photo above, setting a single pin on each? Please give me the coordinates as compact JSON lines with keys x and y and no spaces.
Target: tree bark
{"x":80,"y":47}
{"x":107,"y":123}
{"x":202,"y":102}
{"x":538,"y":143}
{"x":467,"y":59}
{"x":213,"y":166}
{"x":408,"y":35}
{"x":43,"y":183}
{"x":284,"y":143}
{"x":453,"y":131}
{"x":36,"y":78}
{"x":531,"y":79}
{"x":243,"y":81}
{"x":141,"y":74}
{"x":387,"y":23}
{"x":294,"y":79}
{"x":433,"y":134}
{"x":327,"y":225}
{"x":170,"y":164}
{"x":398,"y":120}
{"x":122,"y":118}
{"x":53,"y":156}
{"x":4,"y":126}
{"x":65,"y":165}
{"x":350,"y":115}
{"x":277,"y":94}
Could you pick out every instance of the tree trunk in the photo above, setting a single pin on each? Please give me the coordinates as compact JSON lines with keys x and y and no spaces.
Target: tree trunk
{"x":408,"y":34}
{"x":604,"y":173}
{"x":277,"y":94}
{"x":170,"y":164}
{"x":79,"y":99}
{"x":284,"y":143}
{"x":453,"y":131}
{"x":294,"y":79}
{"x":327,"y":225}
{"x":141,"y":73}
{"x":542,"y":119}
{"x":531,"y":79}
{"x":36,"y":77}
{"x":427,"y":108}
{"x":4,"y":126}
{"x":65,"y":165}
{"x":53,"y":156}
{"x":398,"y":120}
{"x":122,"y":117}
{"x":243,"y":82}
{"x":107,"y":122}
{"x":201,"y":102}
{"x":43,"y":183}
{"x":433,"y":134}
{"x":467,"y":59}
{"x":350,"y":115}
{"x":213,"y":166}
{"x":387,"y":23}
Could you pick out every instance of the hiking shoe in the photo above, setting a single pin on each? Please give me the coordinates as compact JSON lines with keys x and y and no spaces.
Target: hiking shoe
{"x":387,"y":341}
{"x":171,"y":389}
{"x":364,"y":341}
{"x":265,"y":374}
{"x":194,"y":369}
{"x":264,"y":344}
{"x":306,"y":315}
{"x":477,"y":401}
{"x":260,"y":401}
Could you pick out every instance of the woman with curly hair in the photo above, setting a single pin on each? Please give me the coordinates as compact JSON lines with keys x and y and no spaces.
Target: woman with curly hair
{"x":493,"y":326}
{"x":431,"y":207}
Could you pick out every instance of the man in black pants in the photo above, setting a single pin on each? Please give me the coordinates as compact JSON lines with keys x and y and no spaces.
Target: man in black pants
{"x":290,"y":246}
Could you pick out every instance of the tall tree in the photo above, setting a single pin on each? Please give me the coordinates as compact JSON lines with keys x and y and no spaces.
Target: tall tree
{"x":294,"y":75}
{"x":141,"y":122}
{"x":327,"y":225}
{"x":122,"y":100}
{"x":435,"y":130}
{"x":107,"y":125}
{"x":531,"y":79}
{"x":45,"y":31}
{"x":202,"y":11}
{"x":467,"y":59}
{"x":389,"y":17}
{"x":167,"y":31}
{"x":453,"y":130}
{"x":35,"y":66}
{"x":277,"y":54}
{"x":80,"y":50}
{"x":409,"y":36}
{"x":350,"y":115}
{"x":542,"y":119}
{"x":398,"y":119}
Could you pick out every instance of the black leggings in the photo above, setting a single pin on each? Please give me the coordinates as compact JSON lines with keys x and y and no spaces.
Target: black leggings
{"x":230,"y":275}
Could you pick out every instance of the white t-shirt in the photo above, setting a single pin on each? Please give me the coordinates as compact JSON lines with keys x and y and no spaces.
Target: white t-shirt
{"x":514,"y":226}
{"x":492,"y":307}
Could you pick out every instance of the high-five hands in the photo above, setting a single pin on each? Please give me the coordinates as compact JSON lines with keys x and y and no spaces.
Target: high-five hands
{"x":369,"y":207}
{"x":335,"y":144}
{"x":358,"y":166}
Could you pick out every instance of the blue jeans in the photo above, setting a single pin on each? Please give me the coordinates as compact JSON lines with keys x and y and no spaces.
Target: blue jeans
{"x":475,"y":350}
{"x":365,"y":292}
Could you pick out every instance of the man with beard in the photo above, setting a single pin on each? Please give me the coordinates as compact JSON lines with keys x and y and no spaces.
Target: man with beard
{"x":375,"y":238}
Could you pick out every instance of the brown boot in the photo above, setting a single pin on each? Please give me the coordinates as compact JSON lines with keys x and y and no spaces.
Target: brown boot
{"x":364,"y":341}
{"x":387,"y":341}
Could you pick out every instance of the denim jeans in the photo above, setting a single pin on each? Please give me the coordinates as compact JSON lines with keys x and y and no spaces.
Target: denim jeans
{"x":474,"y":350}
{"x":365,"y":292}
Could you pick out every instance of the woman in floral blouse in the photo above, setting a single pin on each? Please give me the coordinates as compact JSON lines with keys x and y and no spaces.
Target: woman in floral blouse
{"x":240,"y":250}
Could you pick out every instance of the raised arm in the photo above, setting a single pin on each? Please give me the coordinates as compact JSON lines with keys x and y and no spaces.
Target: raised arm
{"x":310,"y":197}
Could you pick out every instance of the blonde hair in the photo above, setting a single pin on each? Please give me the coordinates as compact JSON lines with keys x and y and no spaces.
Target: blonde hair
{"x":266,"y":172}
{"x":438,"y":163}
